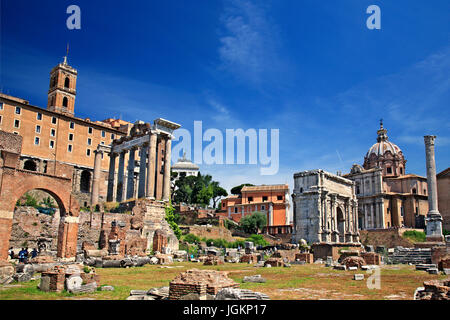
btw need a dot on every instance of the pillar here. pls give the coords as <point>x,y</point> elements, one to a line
<point>130,180</point>
<point>111,176</point>
<point>96,179</point>
<point>67,237</point>
<point>151,171</point>
<point>120,184</point>
<point>6,222</point>
<point>434,218</point>
<point>142,169</point>
<point>166,178</point>
<point>366,220</point>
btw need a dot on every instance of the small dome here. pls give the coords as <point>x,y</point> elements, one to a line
<point>184,164</point>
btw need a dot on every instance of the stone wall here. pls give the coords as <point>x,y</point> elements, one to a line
<point>209,232</point>
<point>390,238</point>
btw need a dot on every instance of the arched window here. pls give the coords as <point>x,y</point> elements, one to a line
<point>53,82</point>
<point>85,181</point>
<point>30,165</point>
<point>67,83</point>
<point>414,190</point>
<point>65,102</point>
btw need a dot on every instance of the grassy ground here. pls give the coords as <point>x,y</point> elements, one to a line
<point>312,282</point>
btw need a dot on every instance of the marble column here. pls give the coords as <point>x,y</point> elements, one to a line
<point>166,177</point>
<point>111,176</point>
<point>120,178</point>
<point>142,169</point>
<point>372,216</point>
<point>434,218</point>
<point>96,179</point>
<point>151,171</point>
<point>366,218</point>
<point>131,165</point>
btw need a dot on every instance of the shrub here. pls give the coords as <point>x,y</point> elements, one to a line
<point>171,219</point>
<point>416,236</point>
<point>191,238</point>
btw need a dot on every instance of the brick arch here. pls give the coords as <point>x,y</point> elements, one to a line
<point>16,185</point>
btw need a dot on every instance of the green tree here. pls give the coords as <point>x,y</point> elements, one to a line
<point>218,193</point>
<point>253,222</point>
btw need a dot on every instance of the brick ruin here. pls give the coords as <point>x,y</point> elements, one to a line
<point>200,282</point>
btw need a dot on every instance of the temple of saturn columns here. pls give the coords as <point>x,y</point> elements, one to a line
<point>152,143</point>
<point>325,208</point>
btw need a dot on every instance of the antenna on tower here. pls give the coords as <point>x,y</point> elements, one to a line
<point>67,54</point>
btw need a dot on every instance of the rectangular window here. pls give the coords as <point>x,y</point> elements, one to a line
<point>38,129</point>
<point>112,136</point>
<point>90,130</point>
<point>389,170</point>
<point>263,207</point>
<point>39,116</point>
<point>235,210</point>
<point>69,148</point>
<point>16,123</point>
<point>89,142</point>
<point>52,144</point>
<point>250,199</point>
<point>0,119</point>
<point>70,136</point>
<point>103,134</point>
<point>18,110</point>
<point>264,198</point>
<point>88,152</point>
<point>72,125</point>
<point>52,132</point>
<point>36,141</point>
<point>279,197</point>
<point>1,105</point>
<point>53,120</point>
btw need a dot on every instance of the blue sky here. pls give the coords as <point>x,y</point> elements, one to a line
<point>311,69</point>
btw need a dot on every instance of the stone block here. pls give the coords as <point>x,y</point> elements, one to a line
<point>256,278</point>
<point>73,282</point>
<point>352,268</point>
<point>107,288</point>
<point>340,267</point>
<point>433,271</point>
<point>358,277</point>
<point>22,277</point>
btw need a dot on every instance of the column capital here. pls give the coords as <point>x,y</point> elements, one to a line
<point>429,140</point>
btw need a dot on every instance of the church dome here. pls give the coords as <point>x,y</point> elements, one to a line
<point>380,148</point>
<point>386,155</point>
<point>383,145</point>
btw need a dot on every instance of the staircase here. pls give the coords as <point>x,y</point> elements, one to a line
<point>413,256</point>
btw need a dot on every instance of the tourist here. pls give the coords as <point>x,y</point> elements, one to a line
<point>34,253</point>
<point>11,253</point>
<point>22,255</point>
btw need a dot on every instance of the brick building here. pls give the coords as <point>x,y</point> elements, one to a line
<point>443,188</point>
<point>273,200</point>
<point>56,134</point>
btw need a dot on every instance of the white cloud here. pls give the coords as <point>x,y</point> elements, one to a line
<point>249,42</point>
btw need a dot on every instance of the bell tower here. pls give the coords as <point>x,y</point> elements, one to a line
<point>62,91</point>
